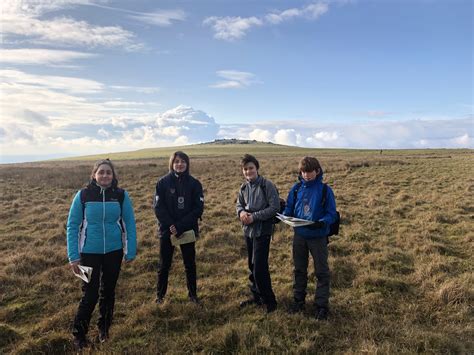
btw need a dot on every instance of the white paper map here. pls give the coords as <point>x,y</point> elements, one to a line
<point>85,273</point>
<point>293,221</point>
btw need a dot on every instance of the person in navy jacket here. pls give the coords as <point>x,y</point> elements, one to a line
<point>179,203</point>
<point>100,233</point>
<point>305,201</point>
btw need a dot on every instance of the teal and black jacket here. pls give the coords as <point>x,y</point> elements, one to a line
<point>101,221</point>
<point>307,205</point>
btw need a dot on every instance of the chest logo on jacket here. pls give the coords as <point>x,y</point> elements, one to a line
<point>172,190</point>
<point>181,202</point>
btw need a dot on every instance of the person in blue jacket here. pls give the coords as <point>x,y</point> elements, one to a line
<point>100,233</point>
<point>179,203</point>
<point>305,201</point>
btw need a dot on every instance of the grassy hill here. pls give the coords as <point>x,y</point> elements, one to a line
<point>401,266</point>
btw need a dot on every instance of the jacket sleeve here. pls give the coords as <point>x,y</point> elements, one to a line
<point>329,216</point>
<point>129,219</point>
<point>240,204</point>
<point>189,220</point>
<point>273,203</point>
<point>161,210</point>
<point>74,221</point>
<point>290,202</point>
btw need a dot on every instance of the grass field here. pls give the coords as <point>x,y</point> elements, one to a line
<point>402,265</point>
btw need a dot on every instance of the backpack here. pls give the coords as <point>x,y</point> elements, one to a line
<point>333,227</point>
<point>262,185</point>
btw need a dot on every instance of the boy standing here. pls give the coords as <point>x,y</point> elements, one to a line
<point>306,201</point>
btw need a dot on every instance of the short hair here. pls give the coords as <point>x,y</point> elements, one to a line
<point>106,162</point>
<point>308,164</point>
<point>247,158</point>
<point>179,154</point>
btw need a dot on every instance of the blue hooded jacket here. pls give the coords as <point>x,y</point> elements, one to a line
<point>100,226</point>
<point>308,206</point>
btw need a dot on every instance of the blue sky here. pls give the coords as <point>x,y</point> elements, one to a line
<point>95,76</point>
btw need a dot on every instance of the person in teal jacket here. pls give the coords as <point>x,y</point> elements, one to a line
<point>100,233</point>
<point>305,201</point>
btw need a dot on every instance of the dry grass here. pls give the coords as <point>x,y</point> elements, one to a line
<point>401,267</point>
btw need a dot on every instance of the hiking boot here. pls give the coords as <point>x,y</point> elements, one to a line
<point>194,299</point>
<point>249,302</point>
<point>103,335</point>
<point>322,313</point>
<point>271,307</point>
<point>296,307</point>
<point>80,343</point>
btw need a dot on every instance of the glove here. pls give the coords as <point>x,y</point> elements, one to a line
<point>316,225</point>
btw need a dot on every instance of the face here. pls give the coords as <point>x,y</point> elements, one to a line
<point>104,175</point>
<point>308,176</point>
<point>250,171</point>
<point>179,165</point>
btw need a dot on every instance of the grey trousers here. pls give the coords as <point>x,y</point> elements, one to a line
<point>318,248</point>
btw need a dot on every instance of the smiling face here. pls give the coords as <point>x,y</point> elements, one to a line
<point>104,175</point>
<point>250,171</point>
<point>179,165</point>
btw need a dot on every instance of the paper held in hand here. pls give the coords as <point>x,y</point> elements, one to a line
<point>85,273</point>
<point>293,221</point>
<point>185,238</point>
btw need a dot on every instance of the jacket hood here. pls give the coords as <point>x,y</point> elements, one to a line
<point>93,184</point>
<point>318,179</point>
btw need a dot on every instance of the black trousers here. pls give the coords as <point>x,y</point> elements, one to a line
<point>318,247</point>
<point>105,273</point>
<point>188,252</point>
<point>258,250</point>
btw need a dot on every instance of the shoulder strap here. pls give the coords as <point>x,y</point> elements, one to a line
<point>324,194</point>
<point>295,196</point>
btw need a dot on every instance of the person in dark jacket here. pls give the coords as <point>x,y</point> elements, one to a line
<point>100,233</point>
<point>179,203</point>
<point>304,201</point>
<point>257,203</point>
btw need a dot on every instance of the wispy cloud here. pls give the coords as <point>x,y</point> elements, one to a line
<point>160,17</point>
<point>23,20</point>
<point>232,28</point>
<point>140,89</point>
<point>235,79</point>
<point>36,56</point>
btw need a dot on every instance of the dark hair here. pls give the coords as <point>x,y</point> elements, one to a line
<point>106,162</point>
<point>309,164</point>
<point>247,158</point>
<point>179,154</point>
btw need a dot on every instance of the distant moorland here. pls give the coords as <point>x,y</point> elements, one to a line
<point>402,277</point>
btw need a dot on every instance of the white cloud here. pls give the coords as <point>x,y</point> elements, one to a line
<point>235,79</point>
<point>23,20</point>
<point>261,135</point>
<point>34,56</point>
<point>232,28</point>
<point>160,17</point>
<point>286,137</point>
<point>140,89</point>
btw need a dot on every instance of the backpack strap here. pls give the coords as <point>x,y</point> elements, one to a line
<point>324,195</point>
<point>295,196</point>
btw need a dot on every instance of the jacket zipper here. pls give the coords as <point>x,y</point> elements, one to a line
<point>103,216</point>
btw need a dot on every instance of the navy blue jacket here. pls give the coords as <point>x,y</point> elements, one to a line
<point>179,201</point>
<point>308,206</point>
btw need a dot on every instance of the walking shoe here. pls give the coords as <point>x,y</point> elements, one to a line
<point>322,313</point>
<point>103,335</point>
<point>194,299</point>
<point>160,300</point>
<point>271,307</point>
<point>250,302</point>
<point>296,307</point>
<point>80,343</point>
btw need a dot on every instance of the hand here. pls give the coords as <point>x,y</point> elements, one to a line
<point>316,225</point>
<point>246,218</point>
<point>127,261</point>
<point>173,229</point>
<point>75,267</point>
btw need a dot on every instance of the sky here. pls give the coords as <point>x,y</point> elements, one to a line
<point>84,77</point>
